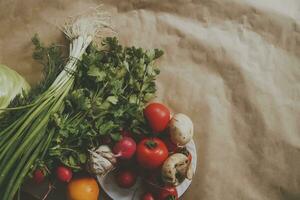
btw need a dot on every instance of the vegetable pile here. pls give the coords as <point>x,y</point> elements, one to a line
<point>90,115</point>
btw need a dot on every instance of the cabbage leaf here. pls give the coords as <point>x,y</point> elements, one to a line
<point>11,85</point>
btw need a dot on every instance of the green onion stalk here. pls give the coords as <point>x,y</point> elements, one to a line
<point>28,138</point>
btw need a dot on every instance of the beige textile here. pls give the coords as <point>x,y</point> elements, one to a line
<point>233,66</point>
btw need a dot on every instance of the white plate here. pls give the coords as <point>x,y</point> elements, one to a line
<point>109,185</point>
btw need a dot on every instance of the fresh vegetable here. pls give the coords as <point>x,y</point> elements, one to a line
<point>38,176</point>
<point>97,92</point>
<point>126,178</point>
<point>167,193</point>
<point>151,153</point>
<point>148,196</point>
<point>83,189</point>
<point>181,129</point>
<point>64,174</point>
<point>125,148</point>
<point>11,85</point>
<point>29,132</point>
<point>158,116</point>
<point>101,161</point>
<point>176,168</point>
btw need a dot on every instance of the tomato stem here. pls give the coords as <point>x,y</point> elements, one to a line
<point>171,197</point>
<point>151,144</point>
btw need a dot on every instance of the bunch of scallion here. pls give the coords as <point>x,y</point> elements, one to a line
<point>27,138</point>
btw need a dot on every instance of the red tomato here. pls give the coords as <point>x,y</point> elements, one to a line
<point>151,153</point>
<point>148,196</point>
<point>126,178</point>
<point>158,116</point>
<point>167,193</point>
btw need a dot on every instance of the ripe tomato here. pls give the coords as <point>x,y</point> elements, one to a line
<point>83,189</point>
<point>158,116</point>
<point>151,153</point>
<point>126,178</point>
<point>168,193</point>
<point>148,196</point>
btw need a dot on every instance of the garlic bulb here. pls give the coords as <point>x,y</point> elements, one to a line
<point>101,161</point>
<point>181,129</point>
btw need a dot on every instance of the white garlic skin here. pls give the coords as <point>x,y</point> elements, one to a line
<point>101,161</point>
<point>181,129</point>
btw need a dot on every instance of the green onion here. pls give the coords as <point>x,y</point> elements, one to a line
<point>26,139</point>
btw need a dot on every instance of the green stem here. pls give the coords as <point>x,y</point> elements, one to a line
<point>20,150</point>
<point>19,107</point>
<point>25,171</point>
<point>55,106</point>
<point>51,134</point>
<point>28,121</point>
<point>24,122</point>
<point>68,149</point>
<point>40,123</point>
<point>143,81</point>
<point>21,164</point>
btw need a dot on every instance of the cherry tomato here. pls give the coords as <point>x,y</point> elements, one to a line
<point>148,196</point>
<point>126,178</point>
<point>158,116</point>
<point>168,193</point>
<point>151,153</point>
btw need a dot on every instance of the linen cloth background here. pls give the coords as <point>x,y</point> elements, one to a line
<point>233,66</point>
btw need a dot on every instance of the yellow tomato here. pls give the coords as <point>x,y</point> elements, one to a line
<point>83,189</point>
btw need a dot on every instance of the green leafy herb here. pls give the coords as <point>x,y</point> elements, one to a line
<point>112,86</point>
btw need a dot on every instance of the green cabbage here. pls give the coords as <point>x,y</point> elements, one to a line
<point>11,84</point>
